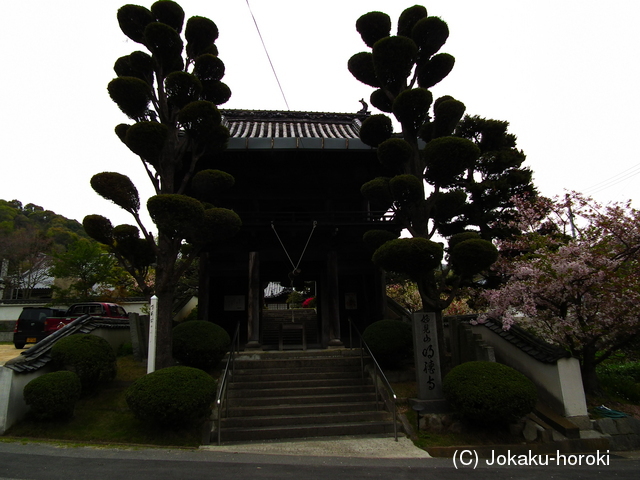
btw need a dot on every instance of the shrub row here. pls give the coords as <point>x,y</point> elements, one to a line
<point>489,392</point>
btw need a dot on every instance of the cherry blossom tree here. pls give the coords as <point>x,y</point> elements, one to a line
<point>572,277</point>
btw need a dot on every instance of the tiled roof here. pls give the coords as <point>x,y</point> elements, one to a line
<point>528,343</point>
<point>278,124</point>
<point>275,289</point>
<point>525,341</point>
<point>39,355</point>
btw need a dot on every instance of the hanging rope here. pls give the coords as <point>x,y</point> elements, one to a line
<point>295,271</point>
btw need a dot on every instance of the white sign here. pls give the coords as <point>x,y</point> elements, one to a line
<point>153,334</point>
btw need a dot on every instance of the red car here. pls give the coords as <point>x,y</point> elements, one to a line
<point>30,325</point>
<point>35,323</point>
<point>95,309</point>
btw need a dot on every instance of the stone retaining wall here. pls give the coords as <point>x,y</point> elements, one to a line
<point>623,433</point>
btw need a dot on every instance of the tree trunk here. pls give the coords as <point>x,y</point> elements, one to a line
<point>164,353</point>
<point>589,376</point>
<point>165,291</point>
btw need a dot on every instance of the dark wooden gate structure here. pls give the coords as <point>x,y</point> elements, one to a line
<point>298,178</point>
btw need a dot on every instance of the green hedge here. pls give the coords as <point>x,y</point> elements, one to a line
<point>489,392</point>
<point>89,356</point>
<point>53,395</point>
<point>172,397</point>
<point>621,380</point>
<point>200,344</point>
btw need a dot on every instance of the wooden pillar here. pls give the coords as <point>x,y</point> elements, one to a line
<point>253,302</point>
<point>333,299</point>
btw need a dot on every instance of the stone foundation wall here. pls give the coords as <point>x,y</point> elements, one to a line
<point>623,433</point>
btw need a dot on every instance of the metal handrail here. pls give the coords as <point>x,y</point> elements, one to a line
<point>378,371</point>
<point>227,377</point>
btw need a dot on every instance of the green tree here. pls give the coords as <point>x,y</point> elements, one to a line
<point>29,235</point>
<point>86,265</point>
<point>24,259</point>
<point>573,277</point>
<point>444,176</point>
<point>171,96</point>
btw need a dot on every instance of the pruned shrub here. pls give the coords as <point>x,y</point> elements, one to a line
<point>390,341</point>
<point>89,356</point>
<point>172,397</point>
<point>489,392</point>
<point>53,395</point>
<point>200,344</point>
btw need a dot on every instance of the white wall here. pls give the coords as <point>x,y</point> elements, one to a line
<point>12,405</point>
<point>559,384</point>
<point>12,311</point>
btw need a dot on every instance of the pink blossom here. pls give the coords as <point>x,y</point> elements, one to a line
<point>574,274</point>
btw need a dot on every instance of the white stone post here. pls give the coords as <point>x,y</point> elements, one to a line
<point>153,333</point>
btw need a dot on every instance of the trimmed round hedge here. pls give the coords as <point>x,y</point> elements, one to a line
<point>89,356</point>
<point>200,344</point>
<point>53,395</point>
<point>486,392</point>
<point>172,397</point>
<point>390,341</point>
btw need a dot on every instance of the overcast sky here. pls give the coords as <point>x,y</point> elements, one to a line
<point>563,72</point>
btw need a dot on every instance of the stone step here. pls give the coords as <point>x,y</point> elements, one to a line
<point>241,376</point>
<point>283,421</point>
<point>255,401</point>
<point>297,363</point>
<point>300,391</point>
<point>302,431</point>
<point>274,355</point>
<point>251,386</point>
<point>304,408</point>
<point>278,395</point>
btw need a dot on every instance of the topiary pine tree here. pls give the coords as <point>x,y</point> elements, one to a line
<point>171,95</point>
<point>471,166</point>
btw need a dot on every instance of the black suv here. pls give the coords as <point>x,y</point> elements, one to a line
<point>30,325</point>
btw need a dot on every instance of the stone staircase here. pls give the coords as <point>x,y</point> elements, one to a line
<point>279,395</point>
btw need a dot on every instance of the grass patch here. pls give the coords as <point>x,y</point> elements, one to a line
<point>404,390</point>
<point>106,418</point>
<point>471,435</point>
<point>426,440</point>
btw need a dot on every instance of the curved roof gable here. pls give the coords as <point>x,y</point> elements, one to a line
<point>262,123</point>
<point>286,129</point>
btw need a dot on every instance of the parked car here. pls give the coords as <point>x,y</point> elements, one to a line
<point>38,325</point>
<point>31,322</point>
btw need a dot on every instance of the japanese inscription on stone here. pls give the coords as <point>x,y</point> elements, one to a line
<point>425,342</point>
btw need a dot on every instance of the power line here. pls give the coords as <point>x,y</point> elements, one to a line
<point>614,180</point>
<point>268,57</point>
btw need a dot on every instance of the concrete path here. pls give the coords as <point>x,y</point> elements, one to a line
<point>7,352</point>
<point>348,446</point>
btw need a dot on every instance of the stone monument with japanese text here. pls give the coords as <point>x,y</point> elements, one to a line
<point>427,360</point>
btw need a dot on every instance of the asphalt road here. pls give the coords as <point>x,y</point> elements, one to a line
<point>50,462</point>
